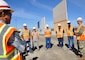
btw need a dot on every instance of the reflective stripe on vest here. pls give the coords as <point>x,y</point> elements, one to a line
<point>25,34</point>
<point>79,28</point>
<point>48,33</point>
<point>16,57</point>
<point>60,33</point>
<point>35,33</point>
<point>70,31</point>
<point>5,33</point>
<point>82,36</point>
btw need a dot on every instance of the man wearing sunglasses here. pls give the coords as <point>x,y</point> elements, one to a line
<point>9,37</point>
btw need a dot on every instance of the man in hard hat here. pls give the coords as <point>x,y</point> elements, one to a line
<point>47,34</point>
<point>70,35</point>
<point>79,36</point>
<point>9,37</point>
<point>60,35</point>
<point>25,35</point>
<point>35,38</point>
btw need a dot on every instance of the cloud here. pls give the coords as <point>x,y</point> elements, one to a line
<point>40,5</point>
<point>22,13</point>
<point>79,3</point>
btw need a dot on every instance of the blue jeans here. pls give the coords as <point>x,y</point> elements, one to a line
<point>28,42</point>
<point>48,42</point>
<point>60,42</point>
<point>70,41</point>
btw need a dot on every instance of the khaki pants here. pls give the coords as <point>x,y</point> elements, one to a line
<point>35,43</point>
<point>81,46</point>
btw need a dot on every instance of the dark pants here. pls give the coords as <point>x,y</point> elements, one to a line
<point>78,46</point>
<point>48,42</point>
<point>30,49</point>
<point>60,42</point>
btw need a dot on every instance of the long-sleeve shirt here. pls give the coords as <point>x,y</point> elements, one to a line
<point>15,40</point>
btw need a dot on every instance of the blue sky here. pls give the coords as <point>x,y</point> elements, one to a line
<point>32,11</point>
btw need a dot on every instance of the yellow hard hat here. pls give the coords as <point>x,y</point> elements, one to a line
<point>4,6</point>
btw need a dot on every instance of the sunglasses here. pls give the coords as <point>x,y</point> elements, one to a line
<point>7,12</point>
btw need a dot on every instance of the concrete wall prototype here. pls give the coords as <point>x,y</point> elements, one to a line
<point>60,15</point>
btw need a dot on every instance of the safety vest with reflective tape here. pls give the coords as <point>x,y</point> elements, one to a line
<point>60,33</point>
<point>16,57</point>
<point>25,34</point>
<point>82,36</point>
<point>35,34</point>
<point>70,31</point>
<point>5,34</point>
<point>47,33</point>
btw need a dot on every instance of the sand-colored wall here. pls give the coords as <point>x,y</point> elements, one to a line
<point>63,25</point>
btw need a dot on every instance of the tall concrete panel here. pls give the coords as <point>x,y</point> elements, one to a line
<point>43,23</point>
<point>60,15</point>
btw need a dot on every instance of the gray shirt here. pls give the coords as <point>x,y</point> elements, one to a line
<point>15,40</point>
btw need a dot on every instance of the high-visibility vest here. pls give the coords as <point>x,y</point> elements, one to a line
<point>16,57</point>
<point>60,33</point>
<point>35,34</point>
<point>25,34</point>
<point>70,31</point>
<point>82,36</point>
<point>47,33</point>
<point>5,34</point>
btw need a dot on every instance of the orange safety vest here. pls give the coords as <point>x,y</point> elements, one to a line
<point>60,33</point>
<point>5,34</point>
<point>25,34</point>
<point>47,33</point>
<point>70,31</point>
<point>82,36</point>
<point>17,57</point>
<point>37,35</point>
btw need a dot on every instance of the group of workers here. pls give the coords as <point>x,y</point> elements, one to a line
<point>71,31</point>
<point>14,44</point>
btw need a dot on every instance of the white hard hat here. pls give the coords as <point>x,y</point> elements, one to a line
<point>34,27</point>
<point>46,25</point>
<point>79,19</point>
<point>59,24</point>
<point>4,6</point>
<point>24,24</point>
<point>68,21</point>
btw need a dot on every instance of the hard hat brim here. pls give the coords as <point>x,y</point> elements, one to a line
<point>7,9</point>
<point>79,20</point>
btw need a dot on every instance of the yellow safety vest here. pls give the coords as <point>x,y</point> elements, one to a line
<point>5,50</point>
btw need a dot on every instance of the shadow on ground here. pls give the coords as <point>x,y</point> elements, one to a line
<point>40,46</point>
<point>35,58</point>
<point>34,48</point>
<point>73,49</point>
